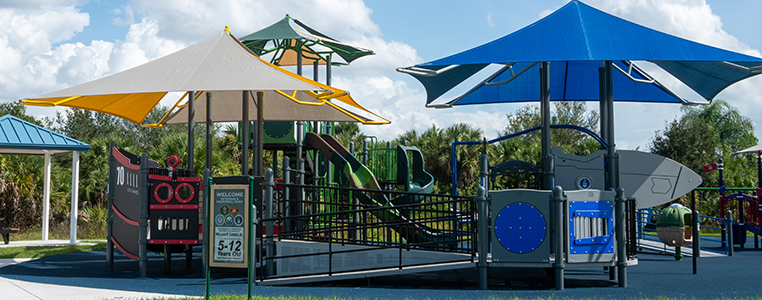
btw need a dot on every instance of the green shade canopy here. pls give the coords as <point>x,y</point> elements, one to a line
<point>286,41</point>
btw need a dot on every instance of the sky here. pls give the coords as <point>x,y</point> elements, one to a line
<point>47,45</point>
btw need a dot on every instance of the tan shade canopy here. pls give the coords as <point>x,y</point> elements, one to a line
<point>218,63</point>
<point>227,107</point>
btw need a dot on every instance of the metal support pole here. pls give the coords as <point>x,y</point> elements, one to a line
<point>741,220</point>
<point>695,234</point>
<point>260,133</point>
<point>327,69</point>
<point>209,133</point>
<point>299,61</point>
<point>191,125</point>
<point>484,173</point>
<point>454,168</point>
<point>74,198</point>
<point>300,193</point>
<point>483,238</point>
<point>206,220</point>
<point>621,251</point>
<point>144,201</point>
<point>365,152</point>
<point>603,103</point>
<point>315,70</point>
<point>729,231</point>
<point>558,236</point>
<point>352,148</point>
<point>547,178</point>
<point>275,162</point>
<point>110,215</point>
<point>245,135</point>
<point>287,192</point>
<point>612,174</point>
<point>207,175</point>
<point>46,196</point>
<point>299,138</point>
<point>270,207</point>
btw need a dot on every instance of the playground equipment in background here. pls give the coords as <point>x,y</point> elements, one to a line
<point>358,176</point>
<point>746,215</point>
<point>518,166</point>
<point>649,178</point>
<point>151,208</point>
<point>673,227</point>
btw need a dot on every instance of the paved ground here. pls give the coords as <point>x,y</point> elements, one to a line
<point>85,275</point>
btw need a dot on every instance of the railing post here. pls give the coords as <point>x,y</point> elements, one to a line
<point>270,207</point>
<point>205,205</point>
<point>287,193</point>
<point>484,173</point>
<point>365,152</point>
<point>300,194</point>
<point>619,217</point>
<point>483,236</point>
<point>729,231</point>
<point>558,237</point>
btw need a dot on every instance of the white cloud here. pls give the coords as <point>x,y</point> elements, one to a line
<point>490,22</point>
<point>30,62</point>
<point>38,60</point>
<point>693,20</point>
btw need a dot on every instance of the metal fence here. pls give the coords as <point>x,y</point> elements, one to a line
<point>646,230</point>
<point>373,219</point>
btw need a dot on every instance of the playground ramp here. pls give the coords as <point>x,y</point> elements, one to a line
<point>341,233</point>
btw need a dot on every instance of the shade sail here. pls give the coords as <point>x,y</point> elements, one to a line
<point>580,33</point>
<point>218,63</point>
<point>753,149</point>
<point>285,40</point>
<point>228,108</point>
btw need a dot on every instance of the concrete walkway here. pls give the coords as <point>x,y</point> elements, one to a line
<point>41,243</point>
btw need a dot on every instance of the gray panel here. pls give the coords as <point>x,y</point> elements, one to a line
<point>538,199</point>
<point>652,179</point>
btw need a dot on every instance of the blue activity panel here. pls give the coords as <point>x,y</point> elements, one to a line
<point>520,228</point>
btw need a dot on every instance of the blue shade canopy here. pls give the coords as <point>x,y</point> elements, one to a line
<point>21,137</point>
<point>585,37</point>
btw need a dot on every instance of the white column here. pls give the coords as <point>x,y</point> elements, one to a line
<point>74,211</point>
<point>46,197</point>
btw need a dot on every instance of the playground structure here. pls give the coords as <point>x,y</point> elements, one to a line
<point>741,210</point>
<point>330,232</point>
<point>150,208</point>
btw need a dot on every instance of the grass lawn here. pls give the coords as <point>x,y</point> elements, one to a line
<point>44,251</point>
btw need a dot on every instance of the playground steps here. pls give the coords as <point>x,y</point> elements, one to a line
<point>368,274</point>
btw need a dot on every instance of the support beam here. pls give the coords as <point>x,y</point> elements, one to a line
<point>260,132</point>
<point>46,197</point>
<point>245,135</point>
<point>603,104</point>
<point>191,113</point>
<point>209,130</point>
<point>548,177</point>
<point>74,210</point>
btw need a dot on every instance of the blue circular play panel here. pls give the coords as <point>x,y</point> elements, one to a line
<point>520,228</point>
